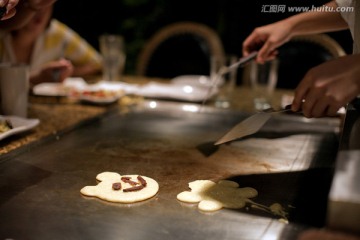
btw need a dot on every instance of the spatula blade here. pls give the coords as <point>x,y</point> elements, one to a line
<point>247,127</point>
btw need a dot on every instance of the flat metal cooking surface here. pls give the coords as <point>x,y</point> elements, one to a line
<point>289,161</point>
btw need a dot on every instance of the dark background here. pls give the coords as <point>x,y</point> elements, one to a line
<point>137,20</point>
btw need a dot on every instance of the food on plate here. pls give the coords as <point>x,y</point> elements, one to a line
<point>5,125</point>
<point>113,187</point>
<point>97,94</point>
<point>213,196</point>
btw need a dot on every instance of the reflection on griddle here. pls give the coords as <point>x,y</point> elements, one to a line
<point>303,193</point>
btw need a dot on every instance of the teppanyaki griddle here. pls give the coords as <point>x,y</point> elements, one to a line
<point>289,161</point>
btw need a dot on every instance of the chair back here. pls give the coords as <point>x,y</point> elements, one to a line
<point>303,53</point>
<point>183,48</point>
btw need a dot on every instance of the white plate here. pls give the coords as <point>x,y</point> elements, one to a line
<point>115,91</point>
<point>19,125</point>
<point>195,80</point>
<point>77,88</point>
<point>176,91</point>
<point>57,89</point>
<point>50,89</point>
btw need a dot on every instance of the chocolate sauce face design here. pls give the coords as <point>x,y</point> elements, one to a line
<point>113,187</point>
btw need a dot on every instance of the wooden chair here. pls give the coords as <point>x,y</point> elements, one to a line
<point>299,55</point>
<point>323,40</point>
<point>182,48</point>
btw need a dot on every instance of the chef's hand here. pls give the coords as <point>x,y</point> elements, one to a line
<point>266,39</point>
<point>328,87</point>
<point>10,8</point>
<point>55,71</point>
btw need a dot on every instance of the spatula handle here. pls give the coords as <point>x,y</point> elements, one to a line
<point>287,109</point>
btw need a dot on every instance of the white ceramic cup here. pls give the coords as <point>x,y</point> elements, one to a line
<point>113,53</point>
<point>14,89</point>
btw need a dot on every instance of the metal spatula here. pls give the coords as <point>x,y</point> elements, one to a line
<point>250,125</point>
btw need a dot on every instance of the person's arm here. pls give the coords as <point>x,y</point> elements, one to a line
<point>328,87</point>
<point>269,37</point>
<point>316,22</point>
<point>86,60</point>
<point>87,69</point>
<point>47,73</point>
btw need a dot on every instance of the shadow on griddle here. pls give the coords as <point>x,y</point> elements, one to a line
<point>17,177</point>
<point>303,194</point>
<point>207,148</point>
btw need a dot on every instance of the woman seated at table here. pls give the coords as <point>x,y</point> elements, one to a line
<point>51,49</point>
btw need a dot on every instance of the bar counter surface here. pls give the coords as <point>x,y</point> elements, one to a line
<point>42,171</point>
<point>57,114</point>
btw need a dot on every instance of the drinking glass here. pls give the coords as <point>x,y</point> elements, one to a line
<point>226,89</point>
<point>14,89</point>
<point>263,79</point>
<point>113,52</point>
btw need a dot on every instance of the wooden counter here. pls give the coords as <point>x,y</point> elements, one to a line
<point>53,118</point>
